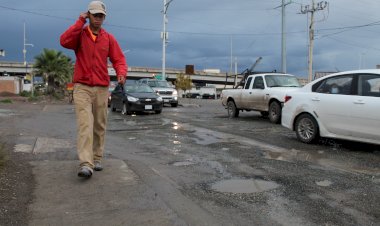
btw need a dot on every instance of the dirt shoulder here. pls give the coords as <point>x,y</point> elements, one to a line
<point>16,179</point>
<point>16,187</point>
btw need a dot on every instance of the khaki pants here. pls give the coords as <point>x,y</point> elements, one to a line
<point>91,113</point>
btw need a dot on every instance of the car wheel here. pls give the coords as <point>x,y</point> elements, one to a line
<point>275,112</point>
<point>158,111</point>
<point>174,105</point>
<point>232,111</point>
<point>306,128</point>
<point>264,114</point>
<point>113,107</point>
<point>125,110</point>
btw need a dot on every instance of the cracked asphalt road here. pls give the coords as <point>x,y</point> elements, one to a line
<point>207,169</point>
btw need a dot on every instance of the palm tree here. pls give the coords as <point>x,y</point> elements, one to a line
<point>55,67</point>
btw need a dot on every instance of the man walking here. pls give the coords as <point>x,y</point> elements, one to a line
<point>93,46</point>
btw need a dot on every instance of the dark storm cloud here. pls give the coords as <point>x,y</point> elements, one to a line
<point>200,32</point>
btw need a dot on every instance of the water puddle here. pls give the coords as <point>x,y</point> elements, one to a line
<point>6,113</point>
<point>324,183</point>
<point>294,155</point>
<point>24,148</point>
<point>185,163</point>
<point>245,186</point>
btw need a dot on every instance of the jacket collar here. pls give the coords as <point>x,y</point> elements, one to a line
<point>101,32</point>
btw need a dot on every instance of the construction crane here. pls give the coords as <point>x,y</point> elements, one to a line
<point>247,72</point>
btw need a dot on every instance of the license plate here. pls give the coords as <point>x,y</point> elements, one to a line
<point>165,100</point>
<point>148,107</point>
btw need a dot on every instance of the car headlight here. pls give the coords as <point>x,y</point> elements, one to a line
<point>159,98</point>
<point>175,93</point>
<point>133,99</point>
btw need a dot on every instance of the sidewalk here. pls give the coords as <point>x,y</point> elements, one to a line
<point>111,197</point>
<point>45,136</point>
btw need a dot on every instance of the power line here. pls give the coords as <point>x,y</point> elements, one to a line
<point>376,23</point>
<point>355,45</point>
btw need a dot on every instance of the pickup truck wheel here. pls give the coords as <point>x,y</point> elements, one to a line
<point>275,112</point>
<point>233,112</point>
<point>306,128</point>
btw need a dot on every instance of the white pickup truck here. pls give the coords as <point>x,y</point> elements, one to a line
<point>261,92</point>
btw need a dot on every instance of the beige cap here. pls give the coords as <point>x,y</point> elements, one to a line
<point>97,7</point>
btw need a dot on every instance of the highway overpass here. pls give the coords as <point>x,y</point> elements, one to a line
<point>200,77</point>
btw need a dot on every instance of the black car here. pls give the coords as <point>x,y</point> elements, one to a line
<point>135,98</point>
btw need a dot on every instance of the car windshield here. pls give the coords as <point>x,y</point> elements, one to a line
<point>163,84</point>
<point>281,81</point>
<point>138,89</point>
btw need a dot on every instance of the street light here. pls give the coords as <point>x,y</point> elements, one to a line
<point>25,63</point>
<point>164,36</point>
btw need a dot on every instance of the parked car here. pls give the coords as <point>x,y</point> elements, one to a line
<point>135,98</point>
<point>168,93</point>
<point>343,105</point>
<point>264,92</point>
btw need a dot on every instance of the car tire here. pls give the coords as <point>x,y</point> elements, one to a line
<point>174,105</point>
<point>125,111</point>
<point>112,107</point>
<point>232,111</point>
<point>274,112</point>
<point>158,111</point>
<point>306,128</point>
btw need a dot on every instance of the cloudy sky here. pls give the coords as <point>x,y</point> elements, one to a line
<point>201,32</point>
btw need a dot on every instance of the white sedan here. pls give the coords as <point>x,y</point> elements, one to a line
<point>343,105</point>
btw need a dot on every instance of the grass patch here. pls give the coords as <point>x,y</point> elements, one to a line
<point>6,101</point>
<point>3,156</point>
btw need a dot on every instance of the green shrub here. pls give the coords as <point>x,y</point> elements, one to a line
<point>6,101</point>
<point>25,93</point>
<point>58,95</point>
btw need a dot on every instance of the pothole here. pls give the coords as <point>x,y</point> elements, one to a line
<point>243,186</point>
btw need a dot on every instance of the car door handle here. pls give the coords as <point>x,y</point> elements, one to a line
<point>359,102</point>
<point>315,99</point>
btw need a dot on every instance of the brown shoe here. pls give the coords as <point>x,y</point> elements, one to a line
<point>98,166</point>
<point>85,172</point>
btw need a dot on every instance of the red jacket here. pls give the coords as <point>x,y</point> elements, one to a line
<point>91,63</point>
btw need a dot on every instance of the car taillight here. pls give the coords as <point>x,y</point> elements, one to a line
<point>287,98</point>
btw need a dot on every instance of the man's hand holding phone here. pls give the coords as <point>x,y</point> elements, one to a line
<point>84,15</point>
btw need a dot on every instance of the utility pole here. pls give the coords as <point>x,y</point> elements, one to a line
<point>230,55</point>
<point>283,35</point>
<point>164,36</point>
<point>25,63</point>
<point>312,9</point>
